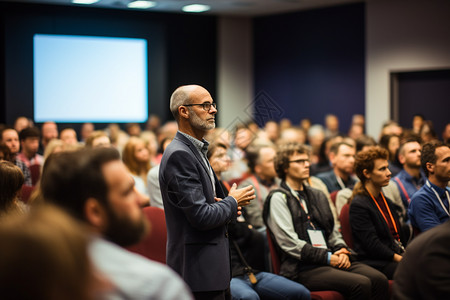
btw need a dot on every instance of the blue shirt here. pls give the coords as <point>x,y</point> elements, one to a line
<point>425,210</point>
<point>410,184</point>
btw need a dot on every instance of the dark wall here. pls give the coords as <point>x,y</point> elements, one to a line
<point>182,49</point>
<point>426,93</point>
<point>312,63</point>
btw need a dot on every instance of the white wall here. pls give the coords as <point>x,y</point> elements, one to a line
<point>401,35</point>
<point>235,71</point>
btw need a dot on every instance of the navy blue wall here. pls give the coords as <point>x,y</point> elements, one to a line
<point>312,63</point>
<point>182,49</point>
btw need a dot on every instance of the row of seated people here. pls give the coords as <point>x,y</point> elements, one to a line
<point>380,227</point>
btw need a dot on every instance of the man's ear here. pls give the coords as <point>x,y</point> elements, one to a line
<point>430,168</point>
<point>95,214</point>
<point>257,169</point>
<point>401,158</point>
<point>331,157</point>
<point>183,112</point>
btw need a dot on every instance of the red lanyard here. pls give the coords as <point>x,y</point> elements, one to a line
<point>258,191</point>
<point>390,214</point>
<point>400,184</point>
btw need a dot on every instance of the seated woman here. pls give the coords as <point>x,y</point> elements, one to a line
<point>11,181</point>
<point>136,156</point>
<point>377,232</point>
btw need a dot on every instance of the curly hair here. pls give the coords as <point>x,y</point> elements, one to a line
<point>365,160</point>
<point>285,151</point>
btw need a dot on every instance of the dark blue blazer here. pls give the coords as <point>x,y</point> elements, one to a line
<point>197,242</point>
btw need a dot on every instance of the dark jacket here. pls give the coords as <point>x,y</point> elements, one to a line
<point>372,238</point>
<point>197,243</point>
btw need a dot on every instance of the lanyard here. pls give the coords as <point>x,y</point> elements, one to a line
<point>340,182</point>
<point>258,191</point>
<point>439,198</point>
<point>304,209</point>
<point>390,214</point>
<point>400,184</point>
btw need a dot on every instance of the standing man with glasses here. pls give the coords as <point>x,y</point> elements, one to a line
<point>197,211</point>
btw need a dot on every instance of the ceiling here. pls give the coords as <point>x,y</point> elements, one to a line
<point>218,7</point>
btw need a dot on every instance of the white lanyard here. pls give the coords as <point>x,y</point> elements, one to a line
<point>439,198</point>
<point>340,182</point>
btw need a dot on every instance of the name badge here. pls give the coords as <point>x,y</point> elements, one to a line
<point>317,239</point>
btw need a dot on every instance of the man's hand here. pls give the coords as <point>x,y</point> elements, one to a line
<point>243,196</point>
<point>340,261</point>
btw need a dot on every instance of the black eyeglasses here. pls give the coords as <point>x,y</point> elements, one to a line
<point>300,161</point>
<point>206,106</point>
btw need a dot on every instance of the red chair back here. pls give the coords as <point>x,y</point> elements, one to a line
<point>35,171</point>
<point>273,255</point>
<point>346,229</point>
<point>153,246</point>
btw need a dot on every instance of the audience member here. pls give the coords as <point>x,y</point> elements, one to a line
<point>423,272</point>
<point>242,139</point>
<point>358,119</point>
<point>262,179</point>
<point>305,124</point>
<point>331,125</point>
<point>86,130</point>
<point>220,162</point>
<point>292,134</point>
<point>342,158</point>
<point>313,251</point>
<point>316,136</point>
<point>10,138</point>
<point>136,157</point>
<point>153,123</point>
<point>29,142</point>
<point>364,142</point>
<point>356,131</point>
<point>429,206</point>
<point>133,129</point>
<point>68,136</point>
<point>21,123</point>
<point>44,255</point>
<point>391,143</point>
<point>272,131</point>
<point>153,188</point>
<point>427,133</point>
<point>49,131</point>
<point>378,236</point>
<point>94,186</point>
<point>446,134</point>
<point>98,138</point>
<point>195,205</point>
<point>11,181</point>
<point>391,128</point>
<point>323,164</point>
<point>411,178</point>
<point>417,122</point>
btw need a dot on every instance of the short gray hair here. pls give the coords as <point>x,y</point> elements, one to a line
<point>179,97</point>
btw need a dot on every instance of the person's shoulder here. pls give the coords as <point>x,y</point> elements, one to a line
<point>421,196</point>
<point>325,175</point>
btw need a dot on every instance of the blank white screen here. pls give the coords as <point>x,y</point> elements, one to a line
<point>90,79</point>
